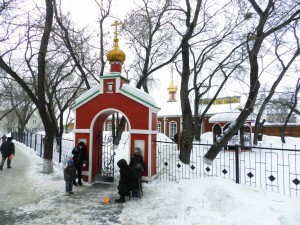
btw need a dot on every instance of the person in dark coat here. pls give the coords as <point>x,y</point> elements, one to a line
<point>69,175</point>
<point>4,138</point>
<point>80,160</point>
<point>7,149</point>
<point>137,162</point>
<point>128,180</point>
<point>177,139</point>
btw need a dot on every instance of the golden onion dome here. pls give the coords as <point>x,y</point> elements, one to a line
<point>172,87</point>
<point>116,54</point>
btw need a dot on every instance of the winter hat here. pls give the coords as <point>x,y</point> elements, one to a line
<point>137,151</point>
<point>81,143</point>
<point>122,163</point>
<point>70,161</point>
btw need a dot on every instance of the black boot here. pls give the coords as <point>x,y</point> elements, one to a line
<point>74,183</point>
<point>79,183</point>
<point>121,199</point>
<point>1,167</point>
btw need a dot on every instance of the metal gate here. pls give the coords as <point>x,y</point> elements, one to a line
<point>106,159</point>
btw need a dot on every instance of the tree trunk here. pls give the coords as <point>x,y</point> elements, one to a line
<point>295,102</point>
<point>186,139</point>
<point>120,129</point>
<point>49,138</point>
<point>48,151</point>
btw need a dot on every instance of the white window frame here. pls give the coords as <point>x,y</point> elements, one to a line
<point>172,129</point>
<point>158,126</point>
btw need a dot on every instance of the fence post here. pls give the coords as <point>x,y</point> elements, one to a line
<point>41,149</point>
<point>31,140</point>
<point>60,149</point>
<point>237,165</point>
<point>35,137</point>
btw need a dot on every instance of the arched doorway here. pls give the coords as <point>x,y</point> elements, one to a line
<point>103,149</point>
<point>241,138</point>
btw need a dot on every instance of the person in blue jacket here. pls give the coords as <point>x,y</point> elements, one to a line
<point>69,174</point>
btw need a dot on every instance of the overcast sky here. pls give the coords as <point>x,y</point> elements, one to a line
<point>85,13</point>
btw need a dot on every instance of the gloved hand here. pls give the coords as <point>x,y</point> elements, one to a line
<point>84,165</point>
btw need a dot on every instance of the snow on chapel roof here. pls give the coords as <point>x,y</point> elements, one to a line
<point>126,89</point>
<point>86,96</point>
<point>170,109</point>
<point>138,95</point>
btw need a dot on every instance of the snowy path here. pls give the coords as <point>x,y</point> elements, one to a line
<point>27,196</point>
<point>16,184</point>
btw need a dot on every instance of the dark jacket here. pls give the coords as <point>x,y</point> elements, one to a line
<point>177,137</point>
<point>128,178</point>
<point>79,156</point>
<point>69,173</point>
<point>137,163</point>
<point>7,148</point>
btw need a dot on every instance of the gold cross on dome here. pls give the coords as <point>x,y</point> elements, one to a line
<point>116,24</point>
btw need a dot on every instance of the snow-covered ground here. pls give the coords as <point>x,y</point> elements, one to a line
<point>29,197</point>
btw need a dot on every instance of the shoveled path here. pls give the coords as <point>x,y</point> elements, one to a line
<point>20,195</point>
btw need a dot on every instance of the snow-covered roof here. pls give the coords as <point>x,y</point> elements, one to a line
<point>174,108</point>
<point>228,116</point>
<point>220,108</point>
<point>170,109</point>
<point>139,95</point>
<point>126,89</point>
<point>87,95</point>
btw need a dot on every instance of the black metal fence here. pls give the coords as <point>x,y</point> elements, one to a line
<point>35,141</point>
<point>273,169</point>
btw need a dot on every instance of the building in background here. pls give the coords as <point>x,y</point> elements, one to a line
<point>10,123</point>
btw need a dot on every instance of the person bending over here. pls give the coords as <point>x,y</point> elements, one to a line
<point>128,180</point>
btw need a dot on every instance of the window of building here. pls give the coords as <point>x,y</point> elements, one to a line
<point>172,128</point>
<point>109,87</point>
<point>158,127</point>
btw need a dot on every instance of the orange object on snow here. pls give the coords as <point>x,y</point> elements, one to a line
<point>105,200</point>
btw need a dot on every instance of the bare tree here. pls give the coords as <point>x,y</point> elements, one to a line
<point>63,88</point>
<point>10,98</point>
<point>150,36</point>
<point>104,13</point>
<point>38,97</point>
<point>215,51</point>
<point>272,17</point>
<point>22,104</point>
<point>76,42</point>
<point>294,101</point>
<point>285,67</point>
<point>191,16</point>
